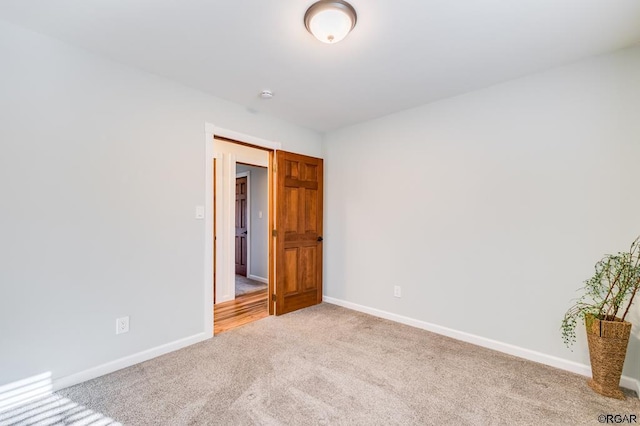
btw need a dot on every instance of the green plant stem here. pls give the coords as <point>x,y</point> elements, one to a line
<point>611,287</point>
<point>633,295</point>
<point>634,253</point>
<point>615,283</point>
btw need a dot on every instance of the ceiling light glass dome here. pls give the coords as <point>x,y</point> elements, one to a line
<point>330,20</point>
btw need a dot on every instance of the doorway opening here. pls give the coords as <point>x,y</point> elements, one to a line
<point>293,231</point>
<point>243,210</point>
<point>251,229</point>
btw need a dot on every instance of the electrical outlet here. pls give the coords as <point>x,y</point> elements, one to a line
<point>397,292</point>
<point>122,325</point>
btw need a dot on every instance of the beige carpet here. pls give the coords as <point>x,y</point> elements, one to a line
<point>246,285</point>
<point>330,365</point>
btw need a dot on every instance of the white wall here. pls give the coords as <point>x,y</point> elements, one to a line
<point>101,167</point>
<point>490,209</point>
<point>259,194</point>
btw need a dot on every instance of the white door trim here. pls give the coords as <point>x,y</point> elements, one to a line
<point>222,250</point>
<point>225,232</point>
<point>208,231</point>
<point>241,137</point>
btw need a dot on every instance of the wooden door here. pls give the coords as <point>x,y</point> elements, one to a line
<point>298,232</point>
<point>241,226</point>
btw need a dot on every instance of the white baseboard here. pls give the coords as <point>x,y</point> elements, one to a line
<point>553,361</point>
<point>118,364</point>
<point>257,278</point>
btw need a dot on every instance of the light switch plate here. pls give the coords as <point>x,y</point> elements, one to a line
<point>199,212</point>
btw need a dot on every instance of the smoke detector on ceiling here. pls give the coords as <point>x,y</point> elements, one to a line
<point>266,94</point>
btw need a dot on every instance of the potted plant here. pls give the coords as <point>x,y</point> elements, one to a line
<point>603,307</point>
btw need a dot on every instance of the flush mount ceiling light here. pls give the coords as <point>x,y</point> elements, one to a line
<point>330,20</point>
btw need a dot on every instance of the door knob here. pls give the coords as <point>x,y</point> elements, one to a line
<point>319,239</point>
<point>244,233</point>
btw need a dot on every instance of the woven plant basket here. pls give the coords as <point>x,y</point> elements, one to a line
<point>608,342</point>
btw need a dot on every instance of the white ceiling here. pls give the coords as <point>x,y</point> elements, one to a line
<point>402,53</point>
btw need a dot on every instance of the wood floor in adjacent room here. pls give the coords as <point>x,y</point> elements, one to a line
<point>243,310</point>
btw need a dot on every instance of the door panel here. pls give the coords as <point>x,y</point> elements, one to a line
<point>311,204</point>
<point>291,201</point>
<point>290,271</point>
<point>241,226</point>
<point>298,246</point>
<point>308,267</point>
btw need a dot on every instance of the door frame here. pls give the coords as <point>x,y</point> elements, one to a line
<point>210,131</point>
<point>247,174</point>
<point>232,154</point>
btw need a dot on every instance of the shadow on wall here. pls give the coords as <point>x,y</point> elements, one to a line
<point>32,402</point>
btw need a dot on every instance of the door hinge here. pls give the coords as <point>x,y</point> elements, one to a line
<point>273,297</point>
<point>274,233</point>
